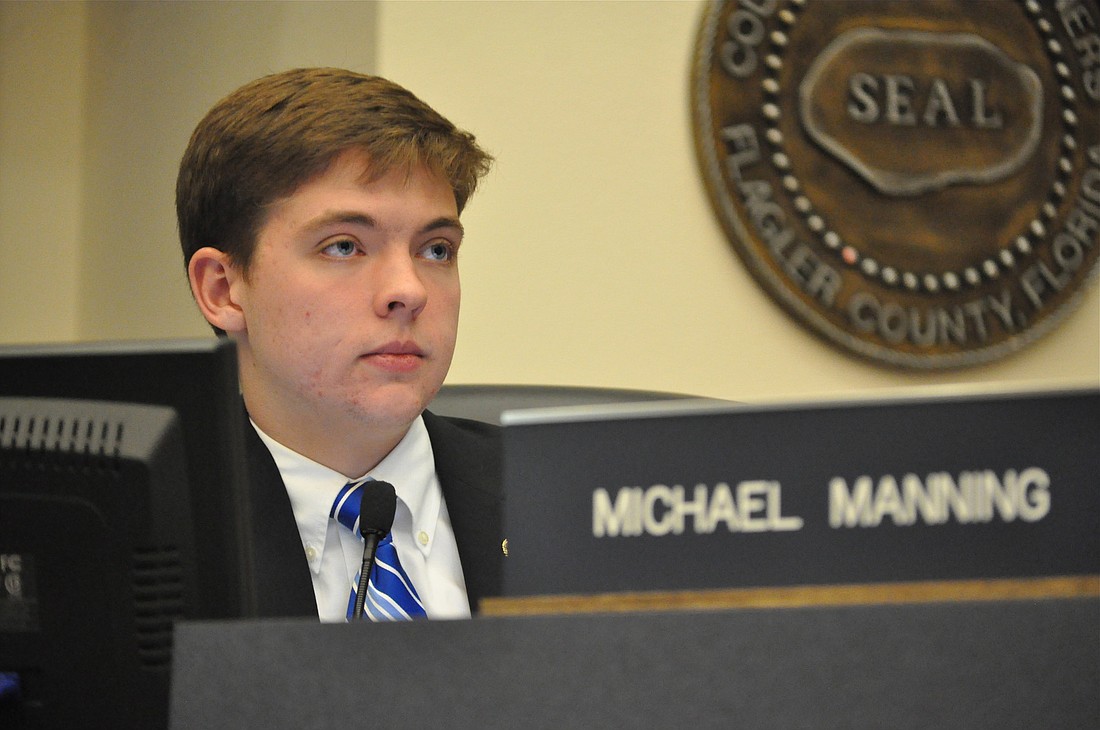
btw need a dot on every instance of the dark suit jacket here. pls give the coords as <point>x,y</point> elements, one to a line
<point>468,463</point>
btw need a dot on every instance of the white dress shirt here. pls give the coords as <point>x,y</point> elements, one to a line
<point>421,530</point>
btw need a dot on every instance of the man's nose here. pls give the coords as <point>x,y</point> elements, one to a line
<point>399,288</point>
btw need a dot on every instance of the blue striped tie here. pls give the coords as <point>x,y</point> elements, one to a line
<point>390,594</point>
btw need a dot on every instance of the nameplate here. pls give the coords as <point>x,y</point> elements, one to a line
<point>697,496</point>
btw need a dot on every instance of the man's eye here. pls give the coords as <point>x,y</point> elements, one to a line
<point>439,251</point>
<point>340,249</point>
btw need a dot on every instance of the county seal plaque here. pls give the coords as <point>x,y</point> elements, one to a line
<point>916,181</point>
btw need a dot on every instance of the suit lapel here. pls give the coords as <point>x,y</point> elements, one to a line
<point>468,463</point>
<point>282,582</point>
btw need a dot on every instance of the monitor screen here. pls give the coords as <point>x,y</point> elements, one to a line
<point>122,509</point>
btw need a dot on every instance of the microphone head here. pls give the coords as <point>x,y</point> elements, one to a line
<point>376,508</point>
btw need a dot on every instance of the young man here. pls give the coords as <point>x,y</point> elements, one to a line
<point>319,216</point>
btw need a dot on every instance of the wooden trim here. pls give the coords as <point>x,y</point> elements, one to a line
<point>1074,586</point>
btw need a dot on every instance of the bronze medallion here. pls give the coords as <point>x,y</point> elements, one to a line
<point>916,180</point>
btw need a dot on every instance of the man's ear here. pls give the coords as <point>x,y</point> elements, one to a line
<point>213,277</point>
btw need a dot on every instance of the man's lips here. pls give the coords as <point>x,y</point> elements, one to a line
<point>396,356</point>
<point>398,348</point>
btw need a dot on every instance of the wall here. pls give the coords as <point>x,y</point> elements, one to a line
<point>42,70</point>
<point>592,255</point>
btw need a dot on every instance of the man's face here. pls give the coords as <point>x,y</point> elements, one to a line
<point>350,304</point>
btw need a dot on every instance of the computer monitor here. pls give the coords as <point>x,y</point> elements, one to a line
<point>122,510</point>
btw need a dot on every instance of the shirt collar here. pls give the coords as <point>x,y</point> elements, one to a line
<point>410,467</point>
<point>312,487</point>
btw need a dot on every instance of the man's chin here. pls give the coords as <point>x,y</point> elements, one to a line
<point>393,407</point>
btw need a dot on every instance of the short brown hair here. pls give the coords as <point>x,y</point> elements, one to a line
<point>274,134</point>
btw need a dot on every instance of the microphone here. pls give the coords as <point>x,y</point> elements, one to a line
<point>376,510</point>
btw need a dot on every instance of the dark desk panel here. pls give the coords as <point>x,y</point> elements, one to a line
<point>997,665</point>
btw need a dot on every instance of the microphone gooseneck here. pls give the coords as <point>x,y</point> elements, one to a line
<point>376,511</point>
